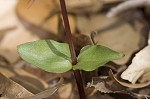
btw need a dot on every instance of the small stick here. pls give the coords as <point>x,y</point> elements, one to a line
<point>77,74</point>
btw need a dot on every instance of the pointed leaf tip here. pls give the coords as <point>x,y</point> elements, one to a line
<point>48,55</point>
<point>93,56</point>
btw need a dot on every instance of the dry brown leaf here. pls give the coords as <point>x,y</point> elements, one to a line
<point>10,89</point>
<point>139,66</point>
<point>84,6</point>
<point>46,76</point>
<point>45,8</point>
<point>12,39</point>
<point>105,84</point>
<point>65,91</point>
<point>47,93</point>
<point>16,34</point>
<point>7,73</point>
<point>110,1</point>
<point>141,85</point>
<point>30,82</point>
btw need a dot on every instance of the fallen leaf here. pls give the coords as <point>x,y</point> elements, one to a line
<point>46,76</point>
<point>10,89</point>
<point>47,93</point>
<point>30,82</point>
<point>48,17</point>
<point>139,66</point>
<point>65,91</point>
<point>141,85</point>
<point>106,85</point>
<point>13,29</point>
<point>7,73</point>
<point>84,6</point>
<point>9,50</point>
<point>111,1</point>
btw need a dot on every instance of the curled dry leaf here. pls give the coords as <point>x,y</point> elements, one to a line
<point>129,4</point>
<point>141,85</point>
<point>139,67</point>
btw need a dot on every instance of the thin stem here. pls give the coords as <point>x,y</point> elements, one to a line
<point>93,34</point>
<point>72,50</point>
<point>68,31</point>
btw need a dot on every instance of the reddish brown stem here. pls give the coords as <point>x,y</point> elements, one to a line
<point>72,50</point>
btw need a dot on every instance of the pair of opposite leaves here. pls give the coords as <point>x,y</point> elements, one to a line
<point>55,57</point>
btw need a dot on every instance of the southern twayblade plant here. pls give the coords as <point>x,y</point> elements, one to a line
<point>55,57</point>
<point>58,57</point>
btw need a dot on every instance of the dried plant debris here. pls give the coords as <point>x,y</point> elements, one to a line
<point>48,17</point>
<point>105,84</point>
<point>110,84</point>
<point>140,85</point>
<point>21,22</point>
<point>139,67</point>
<point>10,29</point>
<point>30,82</point>
<point>65,91</point>
<point>9,50</point>
<point>142,93</point>
<point>47,93</point>
<point>129,4</point>
<point>12,90</point>
<point>85,6</point>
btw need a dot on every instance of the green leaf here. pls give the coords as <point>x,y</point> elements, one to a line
<point>93,56</point>
<point>48,55</point>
